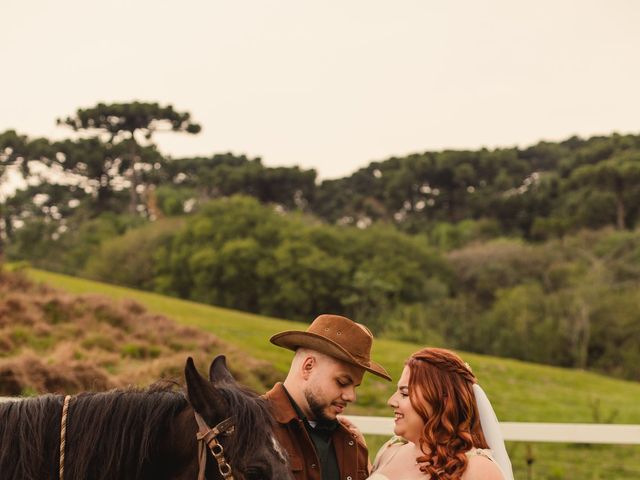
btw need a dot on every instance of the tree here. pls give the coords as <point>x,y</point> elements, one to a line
<point>101,169</point>
<point>130,125</point>
<point>12,147</point>
<point>224,175</point>
<point>619,175</point>
<point>15,152</point>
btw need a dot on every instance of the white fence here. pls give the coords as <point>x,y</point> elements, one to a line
<point>531,432</point>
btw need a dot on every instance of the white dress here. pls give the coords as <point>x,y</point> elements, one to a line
<point>474,452</point>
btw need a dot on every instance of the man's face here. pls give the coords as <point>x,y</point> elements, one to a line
<point>330,387</point>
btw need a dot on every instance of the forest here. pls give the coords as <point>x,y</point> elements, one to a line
<point>529,253</point>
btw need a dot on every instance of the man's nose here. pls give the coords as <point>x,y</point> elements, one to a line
<point>349,394</point>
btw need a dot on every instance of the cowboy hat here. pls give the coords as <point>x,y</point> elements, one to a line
<point>338,337</point>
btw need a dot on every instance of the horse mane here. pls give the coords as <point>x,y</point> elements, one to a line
<point>26,441</point>
<point>251,416</point>
<point>109,434</point>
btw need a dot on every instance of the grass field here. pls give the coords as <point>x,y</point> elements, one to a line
<point>519,391</point>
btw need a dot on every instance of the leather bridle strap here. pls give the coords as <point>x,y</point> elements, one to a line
<point>63,434</point>
<point>208,438</point>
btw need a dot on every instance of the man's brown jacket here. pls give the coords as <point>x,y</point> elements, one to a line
<point>352,456</point>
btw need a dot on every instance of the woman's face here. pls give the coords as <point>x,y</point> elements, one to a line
<point>408,423</point>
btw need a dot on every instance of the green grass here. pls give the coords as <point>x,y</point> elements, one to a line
<point>520,392</point>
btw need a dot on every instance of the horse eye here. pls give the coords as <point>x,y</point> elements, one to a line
<point>255,473</point>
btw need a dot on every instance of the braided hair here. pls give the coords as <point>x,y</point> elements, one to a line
<point>441,392</point>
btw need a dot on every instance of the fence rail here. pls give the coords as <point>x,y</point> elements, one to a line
<point>531,432</point>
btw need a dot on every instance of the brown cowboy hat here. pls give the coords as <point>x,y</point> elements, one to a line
<point>337,337</point>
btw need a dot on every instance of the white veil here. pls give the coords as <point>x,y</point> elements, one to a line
<point>492,432</point>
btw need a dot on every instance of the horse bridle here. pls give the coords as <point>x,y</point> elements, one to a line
<point>208,438</point>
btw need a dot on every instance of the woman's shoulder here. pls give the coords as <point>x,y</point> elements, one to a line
<point>394,441</point>
<point>389,447</point>
<point>482,466</point>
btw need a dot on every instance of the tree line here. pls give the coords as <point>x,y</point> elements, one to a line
<point>540,192</point>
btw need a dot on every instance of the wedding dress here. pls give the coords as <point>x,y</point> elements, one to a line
<point>474,452</point>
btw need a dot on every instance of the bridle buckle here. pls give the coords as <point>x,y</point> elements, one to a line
<point>208,438</point>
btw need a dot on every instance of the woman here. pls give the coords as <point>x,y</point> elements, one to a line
<point>438,408</point>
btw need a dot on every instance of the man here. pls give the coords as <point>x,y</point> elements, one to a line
<point>331,358</point>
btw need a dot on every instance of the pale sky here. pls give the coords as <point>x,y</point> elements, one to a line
<point>330,85</point>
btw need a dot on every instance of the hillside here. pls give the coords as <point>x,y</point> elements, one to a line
<point>54,341</point>
<point>519,391</point>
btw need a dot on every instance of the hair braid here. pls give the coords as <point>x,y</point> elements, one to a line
<point>441,391</point>
<point>447,363</point>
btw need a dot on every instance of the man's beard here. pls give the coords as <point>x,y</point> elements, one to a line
<point>318,408</point>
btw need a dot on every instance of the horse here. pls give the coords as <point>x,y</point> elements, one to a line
<point>151,433</point>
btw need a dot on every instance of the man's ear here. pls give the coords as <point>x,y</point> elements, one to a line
<point>203,396</point>
<point>308,364</point>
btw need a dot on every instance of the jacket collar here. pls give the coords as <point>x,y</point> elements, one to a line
<point>282,409</point>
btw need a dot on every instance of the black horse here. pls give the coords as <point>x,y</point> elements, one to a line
<point>143,434</point>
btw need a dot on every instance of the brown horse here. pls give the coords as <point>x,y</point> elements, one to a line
<point>142,434</point>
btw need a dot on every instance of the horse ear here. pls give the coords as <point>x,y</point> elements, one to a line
<point>203,396</point>
<point>218,371</point>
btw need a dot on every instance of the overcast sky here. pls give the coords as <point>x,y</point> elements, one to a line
<point>330,85</point>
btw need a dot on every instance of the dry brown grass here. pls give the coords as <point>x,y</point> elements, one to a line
<point>51,341</point>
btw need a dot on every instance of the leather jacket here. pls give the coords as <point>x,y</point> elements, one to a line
<point>290,431</point>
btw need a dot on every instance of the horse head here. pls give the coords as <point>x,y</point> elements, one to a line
<point>235,426</point>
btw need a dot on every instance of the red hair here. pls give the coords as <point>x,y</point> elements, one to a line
<point>441,381</point>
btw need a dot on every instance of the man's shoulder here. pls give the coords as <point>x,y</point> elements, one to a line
<point>279,403</point>
<point>276,391</point>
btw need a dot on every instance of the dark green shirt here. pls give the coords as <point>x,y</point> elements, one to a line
<point>321,437</point>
